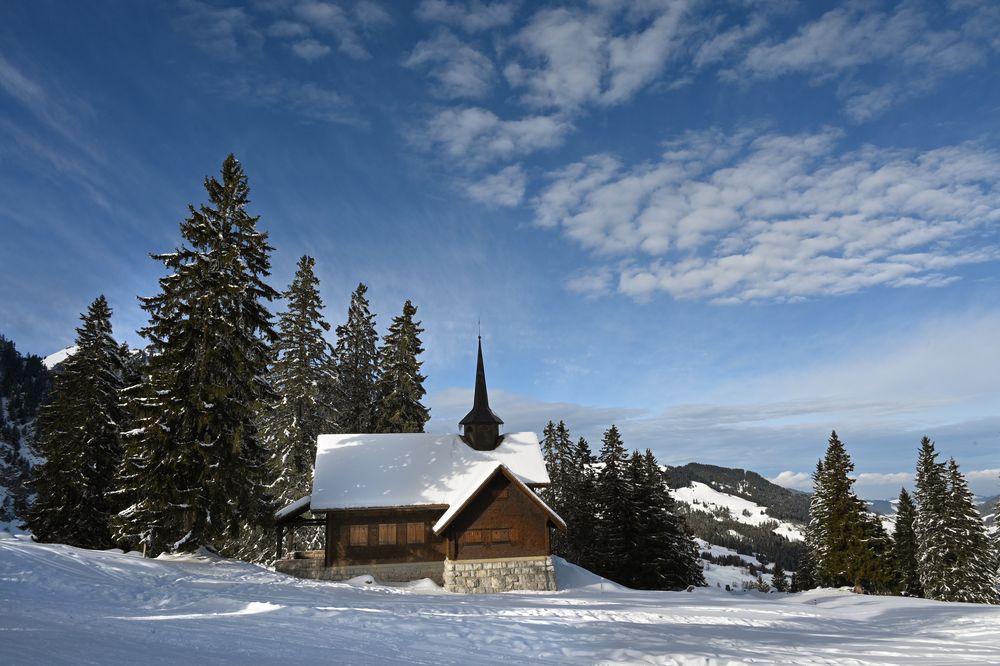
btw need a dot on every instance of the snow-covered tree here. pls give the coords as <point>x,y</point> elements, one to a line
<point>778,579</point>
<point>195,469</point>
<point>931,524</point>
<point>301,377</point>
<point>81,440</point>
<point>973,575</point>
<point>356,355</point>
<point>400,386</point>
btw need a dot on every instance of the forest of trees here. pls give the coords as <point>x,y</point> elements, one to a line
<point>198,439</point>
<point>940,549</point>
<point>622,522</point>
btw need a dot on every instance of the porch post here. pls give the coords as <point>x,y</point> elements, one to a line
<point>281,539</point>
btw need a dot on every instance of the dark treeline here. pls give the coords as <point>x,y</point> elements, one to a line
<point>622,522</point>
<point>940,549</point>
<point>24,383</point>
<point>196,440</point>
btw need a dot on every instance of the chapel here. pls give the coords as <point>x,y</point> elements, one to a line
<point>460,509</point>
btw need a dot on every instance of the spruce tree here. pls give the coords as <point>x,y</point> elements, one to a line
<point>778,579</point>
<point>579,506</point>
<point>805,577</point>
<point>195,470</point>
<point>847,545</point>
<point>400,387</point>
<point>904,548</point>
<point>81,440</point>
<point>665,556</point>
<point>615,524</point>
<point>300,377</point>
<point>973,575</point>
<point>357,367</point>
<point>931,525</point>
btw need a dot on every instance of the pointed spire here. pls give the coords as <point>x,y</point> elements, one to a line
<point>481,412</point>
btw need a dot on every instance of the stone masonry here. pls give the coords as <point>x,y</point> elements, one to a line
<point>500,575</point>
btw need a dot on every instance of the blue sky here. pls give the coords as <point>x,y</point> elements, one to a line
<point>728,227</point>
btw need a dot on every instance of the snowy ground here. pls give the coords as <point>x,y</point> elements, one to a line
<point>61,605</point>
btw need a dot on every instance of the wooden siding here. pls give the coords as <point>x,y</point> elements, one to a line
<point>404,522</point>
<point>501,521</point>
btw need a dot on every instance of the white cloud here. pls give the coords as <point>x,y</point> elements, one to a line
<point>371,14</point>
<point>307,100</point>
<point>457,69</point>
<point>310,49</point>
<point>752,216</point>
<point>479,136</point>
<point>575,56</point>
<point>504,188</point>
<point>473,16</point>
<point>908,38</point>
<point>795,480</point>
<point>331,19</point>
<point>225,32</point>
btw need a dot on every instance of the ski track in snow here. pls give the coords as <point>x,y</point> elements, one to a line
<point>63,605</point>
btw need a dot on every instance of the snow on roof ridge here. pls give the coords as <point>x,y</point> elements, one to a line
<point>354,471</point>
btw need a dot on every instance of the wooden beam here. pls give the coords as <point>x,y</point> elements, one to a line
<point>281,538</point>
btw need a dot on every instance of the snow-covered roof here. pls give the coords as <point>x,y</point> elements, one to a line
<point>294,507</point>
<point>413,469</point>
<point>483,477</point>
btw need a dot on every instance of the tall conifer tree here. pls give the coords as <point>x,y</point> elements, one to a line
<point>357,367</point>
<point>301,377</point>
<point>974,558</point>
<point>615,523</point>
<point>196,469</point>
<point>580,506</point>
<point>400,386</point>
<point>931,526</point>
<point>81,440</point>
<point>904,548</point>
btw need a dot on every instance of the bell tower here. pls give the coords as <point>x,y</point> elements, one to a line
<point>481,427</point>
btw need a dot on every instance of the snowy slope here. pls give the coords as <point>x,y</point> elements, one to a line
<point>52,360</point>
<point>63,605</point>
<point>701,497</point>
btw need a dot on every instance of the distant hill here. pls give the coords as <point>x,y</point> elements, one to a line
<point>742,511</point>
<point>782,503</point>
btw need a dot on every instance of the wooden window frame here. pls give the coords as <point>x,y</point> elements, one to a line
<point>357,536</point>
<point>387,531</point>
<point>416,533</point>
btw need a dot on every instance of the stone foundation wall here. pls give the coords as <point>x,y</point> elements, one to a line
<point>500,575</point>
<point>382,573</point>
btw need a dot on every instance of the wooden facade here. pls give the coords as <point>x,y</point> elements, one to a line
<point>384,536</point>
<point>502,520</point>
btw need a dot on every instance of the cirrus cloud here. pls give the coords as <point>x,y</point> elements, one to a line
<point>753,215</point>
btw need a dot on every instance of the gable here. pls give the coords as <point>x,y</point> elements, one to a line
<point>477,487</point>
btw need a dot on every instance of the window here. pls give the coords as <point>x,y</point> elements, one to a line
<point>488,536</point>
<point>415,533</point>
<point>387,534</point>
<point>359,535</point>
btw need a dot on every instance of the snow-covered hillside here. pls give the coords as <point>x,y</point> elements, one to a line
<point>63,605</point>
<point>701,497</point>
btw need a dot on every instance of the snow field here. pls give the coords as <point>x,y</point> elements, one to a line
<point>63,605</point>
